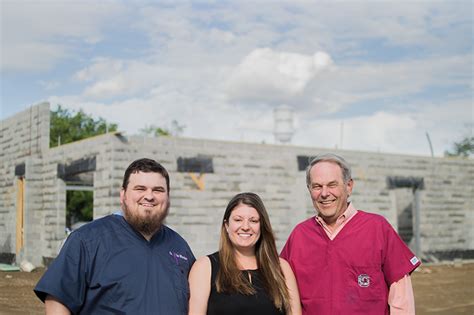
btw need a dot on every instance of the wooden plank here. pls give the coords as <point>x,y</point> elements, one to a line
<point>20,183</point>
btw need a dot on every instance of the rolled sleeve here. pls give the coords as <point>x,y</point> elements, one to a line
<point>401,298</point>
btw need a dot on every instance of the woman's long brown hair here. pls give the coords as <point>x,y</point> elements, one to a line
<point>229,277</point>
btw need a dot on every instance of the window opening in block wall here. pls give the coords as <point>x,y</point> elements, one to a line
<point>78,176</point>
<point>79,206</point>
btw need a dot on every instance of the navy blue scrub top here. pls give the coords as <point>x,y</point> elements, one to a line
<point>106,267</point>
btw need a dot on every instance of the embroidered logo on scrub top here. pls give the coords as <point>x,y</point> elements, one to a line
<point>177,256</point>
<point>363,280</point>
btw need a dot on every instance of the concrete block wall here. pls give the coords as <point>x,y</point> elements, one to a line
<point>269,170</point>
<point>449,222</point>
<point>53,210</point>
<point>22,137</point>
<point>238,167</point>
<point>446,200</point>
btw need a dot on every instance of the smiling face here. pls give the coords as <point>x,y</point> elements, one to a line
<point>243,227</point>
<point>145,202</point>
<point>328,191</point>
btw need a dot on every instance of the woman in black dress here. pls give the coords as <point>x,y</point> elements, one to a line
<point>246,276</point>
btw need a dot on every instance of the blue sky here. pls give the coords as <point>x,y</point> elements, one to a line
<point>358,75</point>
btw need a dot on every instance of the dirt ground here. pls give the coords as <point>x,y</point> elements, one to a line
<point>439,289</point>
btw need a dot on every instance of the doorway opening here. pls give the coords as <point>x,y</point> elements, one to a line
<point>408,199</point>
<point>404,203</point>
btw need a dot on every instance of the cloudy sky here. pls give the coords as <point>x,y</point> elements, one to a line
<point>359,75</point>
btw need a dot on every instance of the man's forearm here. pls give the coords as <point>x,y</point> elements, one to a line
<point>54,307</point>
<point>401,298</point>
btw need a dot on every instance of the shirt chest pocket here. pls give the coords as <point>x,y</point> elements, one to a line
<point>365,283</point>
<point>180,276</point>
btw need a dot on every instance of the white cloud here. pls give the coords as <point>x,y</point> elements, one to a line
<point>107,88</point>
<point>265,74</point>
<point>49,85</point>
<point>37,35</point>
<point>379,132</point>
<point>113,78</point>
<point>202,118</point>
<point>34,56</point>
<point>393,83</point>
<point>202,106</point>
<point>226,37</point>
<point>403,131</point>
<point>204,66</point>
<point>100,68</point>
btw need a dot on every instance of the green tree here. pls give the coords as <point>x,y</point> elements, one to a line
<point>79,206</point>
<point>464,148</point>
<point>68,126</point>
<point>154,131</point>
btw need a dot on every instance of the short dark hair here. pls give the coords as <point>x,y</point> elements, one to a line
<point>146,166</point>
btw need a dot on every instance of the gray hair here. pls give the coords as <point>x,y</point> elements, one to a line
<point>333,158</point>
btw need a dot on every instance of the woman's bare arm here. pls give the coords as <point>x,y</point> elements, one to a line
<point>199,286</point>
<point>295,304</point>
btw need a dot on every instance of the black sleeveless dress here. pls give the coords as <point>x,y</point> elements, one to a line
<point>239,304</point>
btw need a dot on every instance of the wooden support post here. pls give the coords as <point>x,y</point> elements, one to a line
<point>20,183</point>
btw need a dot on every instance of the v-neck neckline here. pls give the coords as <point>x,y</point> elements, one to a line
<point>342,231</point>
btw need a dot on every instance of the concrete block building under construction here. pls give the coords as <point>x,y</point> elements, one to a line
<point>428,200</point>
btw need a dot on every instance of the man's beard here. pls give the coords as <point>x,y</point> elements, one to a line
<point>147,225</point>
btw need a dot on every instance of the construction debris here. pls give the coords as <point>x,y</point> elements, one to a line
<point>26,266</point>
<point>7,267</point>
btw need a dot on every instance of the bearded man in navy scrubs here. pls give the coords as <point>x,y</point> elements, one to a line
<point>124,263</point>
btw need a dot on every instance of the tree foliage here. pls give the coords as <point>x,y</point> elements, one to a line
<point>79,206</point>
<point>68,126</point>
<point>463,148</point>
<point>154,131</point>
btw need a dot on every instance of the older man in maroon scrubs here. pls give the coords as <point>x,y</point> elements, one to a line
<point>347,261</point>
